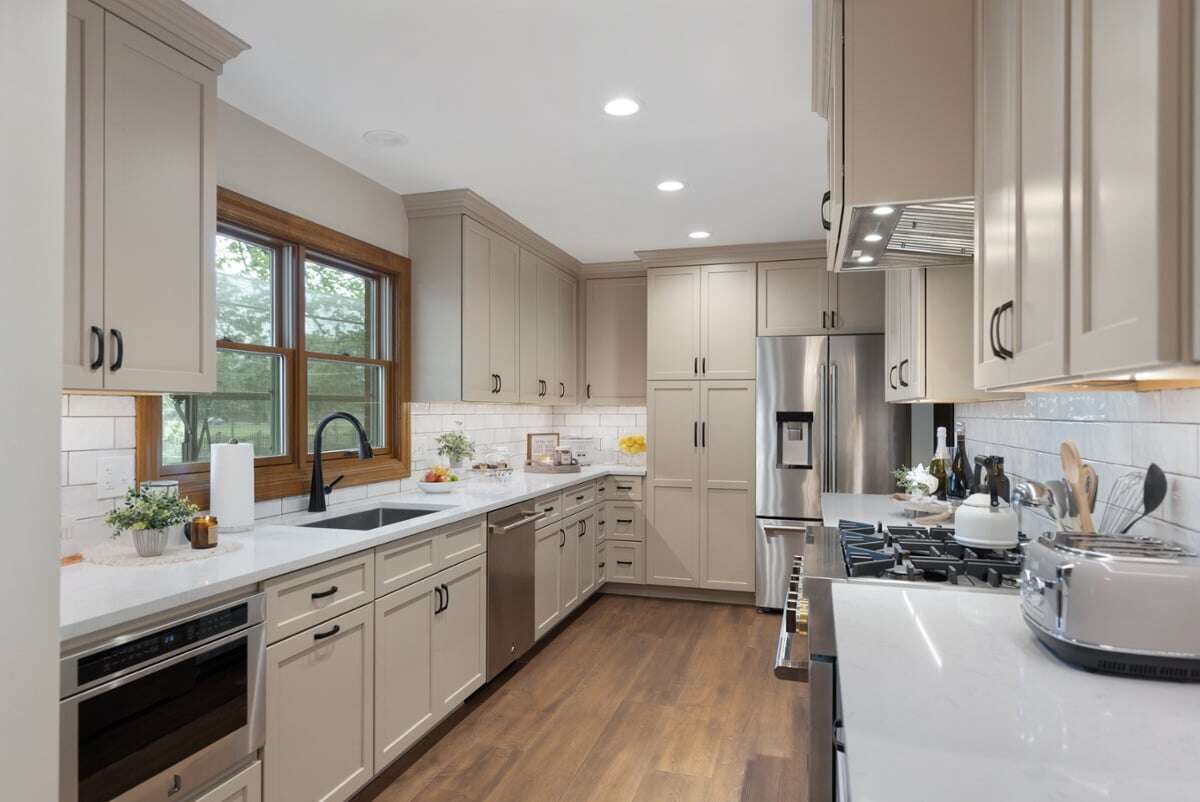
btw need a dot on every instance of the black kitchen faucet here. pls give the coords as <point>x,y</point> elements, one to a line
<point>316,493</point>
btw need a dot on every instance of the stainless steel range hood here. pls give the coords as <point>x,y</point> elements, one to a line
<point>903,235</point>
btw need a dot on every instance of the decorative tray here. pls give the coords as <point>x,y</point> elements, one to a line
<point>541,467</point>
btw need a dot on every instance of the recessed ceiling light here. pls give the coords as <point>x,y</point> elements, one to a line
<point>699,235</point>
<point>882,211</point>
<point>621,106</point>
<point>384,138</point>
<point>873,237</point>
<point>671,186</point>
<point>866,260</point>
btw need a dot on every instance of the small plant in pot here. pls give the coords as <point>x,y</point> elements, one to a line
<point>456,448</point>
<point>149,517</point>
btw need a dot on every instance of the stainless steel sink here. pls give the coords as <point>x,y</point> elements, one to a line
<point>365,520</point>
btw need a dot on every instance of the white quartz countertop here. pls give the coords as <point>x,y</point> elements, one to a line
<point>96,597</point>
<point>865,508</point>
<point>947,695</point>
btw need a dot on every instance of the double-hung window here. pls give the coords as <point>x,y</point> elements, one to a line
<point>308,322</point>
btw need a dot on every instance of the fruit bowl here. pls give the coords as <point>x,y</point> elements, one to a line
<point>439,479</point>
<point>437,487</point>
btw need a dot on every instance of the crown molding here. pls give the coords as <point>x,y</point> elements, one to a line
<point>612,269</point>
<point>465,201</point>
<point>182,27</point>
<point>723,254</point>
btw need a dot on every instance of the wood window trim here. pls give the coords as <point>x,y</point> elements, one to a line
<point>277,477</point>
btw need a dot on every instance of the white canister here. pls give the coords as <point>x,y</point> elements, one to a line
<point>231,485</point>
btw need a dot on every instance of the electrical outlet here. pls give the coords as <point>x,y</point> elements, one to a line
<point>114,475</point>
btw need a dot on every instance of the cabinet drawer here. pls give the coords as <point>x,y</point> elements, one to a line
<point>624,562</point>
<point>623,488</point>
<point>624,520</point>
<point>601,564</point>
<point>305,598</point>
<point>577,497</point>
<point>550,506</point>
<point>460,541</point>
<point>400,564</point>
<point>245,786</point>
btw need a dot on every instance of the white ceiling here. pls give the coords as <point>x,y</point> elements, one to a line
<point>505,97</point>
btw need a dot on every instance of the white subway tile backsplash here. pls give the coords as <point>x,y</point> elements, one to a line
<point>82,434</point>
<point>1172,445</point>
<point>125,437</point>
<point>104,406</point>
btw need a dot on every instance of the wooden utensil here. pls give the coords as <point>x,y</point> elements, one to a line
<point>1091,484</point>
<point>1073,471</point>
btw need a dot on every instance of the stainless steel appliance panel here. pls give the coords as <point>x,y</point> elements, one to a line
<point>778,540</point>
<point>510,585</point>
<point>790,427</point>
<point>868,437</point>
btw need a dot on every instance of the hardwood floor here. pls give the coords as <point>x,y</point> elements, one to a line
<point>634,700</point>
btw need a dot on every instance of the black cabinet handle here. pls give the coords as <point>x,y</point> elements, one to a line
<point>562,538</point>
<point>900,372</point>
<point>323,635</point>
<point>624,520</point>
<point>1005,353</point>
<point>703,365</point>
<point>826,198</point>
<point>499,382</point>
<point>98,333</point>
<point>589,392</point>
<point>992,333</point>
<point>601,564</point>
<point>437,605</point>
<point>582,528</point>
<point>325,594</point>
<point>695,434</point>
<point>696,366</point>
<point>120,358</point>
<point>580,498</point>
<point>892,377</point>
<point>625,488</point>
<point>562,390</point>
<point>824,319</point>
<point>833,318</point>
<point>446,596</point>
<point>624,562</point>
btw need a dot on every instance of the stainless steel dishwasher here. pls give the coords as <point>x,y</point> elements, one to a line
<point>509,584</point>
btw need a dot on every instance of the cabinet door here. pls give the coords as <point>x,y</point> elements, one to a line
<point>245,786</point>
<point>320,692</point>
<point>672,484</point>
<point>568,339</point>
<point>159,214</point>
<point>546,572</point>
<point>910,370</point>
<point>529,386</point>
<point>793,297</point>
<point>727,321</point>
<point>615,320</point>
<point>856,302</point>
<point>727,448</point>
<point>405,706</point>
<point>504,261</point>
<point>459,632</point>
<point>587,554</point>
<point>83,253</point>
<point>1127,99</point>
<point>568,565</point>
<point>892,329</point>
<point>478,381</point>
<point>673,323</point>
<point>549,310</point>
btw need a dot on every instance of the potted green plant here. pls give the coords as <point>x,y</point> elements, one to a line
<point>150,517</point>
<point>456,447</point>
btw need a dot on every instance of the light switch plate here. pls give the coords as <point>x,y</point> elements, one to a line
<point>114,475</point>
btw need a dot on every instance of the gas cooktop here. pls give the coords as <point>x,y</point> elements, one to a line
<point>925,554</point>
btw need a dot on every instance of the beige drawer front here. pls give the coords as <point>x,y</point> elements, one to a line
<point>305,598</point>
<point>398,565</point>
<point>245,786</point>
<point>578,497</point>
<point>623,488</point>
<point>461,541</point>
<point>550,506</point>
<point>624,520</point>
<point>624,562</point>
<point>601,563</point>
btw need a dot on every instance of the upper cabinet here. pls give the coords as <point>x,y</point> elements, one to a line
<point>798,297</point>
<point>615,340</point>
<point>140,200</point>
<point>700,322</point>
<point>495,308</point>
<point>1082,123</point>
<point>895,82</point>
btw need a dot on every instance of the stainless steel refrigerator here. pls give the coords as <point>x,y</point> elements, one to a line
<point>822,425</point>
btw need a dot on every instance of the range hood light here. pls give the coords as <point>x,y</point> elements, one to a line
<point>882,211</point>
<point>873,237</point>
<point>866,260</point>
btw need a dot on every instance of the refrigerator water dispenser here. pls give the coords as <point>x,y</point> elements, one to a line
<point>794,435</point>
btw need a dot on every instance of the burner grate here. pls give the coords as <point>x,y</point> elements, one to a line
<point>924,554</point>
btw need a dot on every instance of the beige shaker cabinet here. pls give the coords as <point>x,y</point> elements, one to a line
<point>728,297</point>
<point>320,711</point>
<point>490,284</point>
<point>856,302</point>
<point>727,485</point>
<point>585,534</point>
<point>673,482</point>
<point>140,211</point>
<point>615,340</point>
<point>547,576</point>
<point>800,297</point>
<point>245,786</point>
<point>673,323</point>
<point>405,707</point>
<point>567,389</point>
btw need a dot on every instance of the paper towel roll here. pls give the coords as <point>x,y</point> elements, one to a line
<point>231,486</point>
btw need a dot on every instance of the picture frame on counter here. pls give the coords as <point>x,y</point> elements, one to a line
<point>540,446</point>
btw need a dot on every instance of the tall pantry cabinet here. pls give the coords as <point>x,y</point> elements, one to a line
<point>701,325</point>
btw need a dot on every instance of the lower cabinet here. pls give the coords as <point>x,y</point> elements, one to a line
<point>601,564</point>
<point>429,654</point>
<point>568,565</point>
<point>625,562</point>
<point>586,536</point>
<point>547,563</point>
<point>245,786</point>
<point>320,691</point>
<point>565,567</point>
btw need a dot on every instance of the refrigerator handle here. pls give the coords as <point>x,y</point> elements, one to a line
<point>825,425</point>
<point>833,426</point>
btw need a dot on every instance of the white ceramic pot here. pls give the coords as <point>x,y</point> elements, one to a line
<point>149,542</point>
<point>977,523</point>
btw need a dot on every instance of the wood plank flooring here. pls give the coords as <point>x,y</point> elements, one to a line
<point>635,700</point>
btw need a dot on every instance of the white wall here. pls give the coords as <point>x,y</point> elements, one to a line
<point>265,164</point>
<point>32,83</point>
<point>1117,432</point>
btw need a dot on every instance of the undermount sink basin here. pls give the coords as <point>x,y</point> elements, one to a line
<point>365,520</point>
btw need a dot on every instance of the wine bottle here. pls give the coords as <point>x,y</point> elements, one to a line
<point>959,480</point>
<point>940,466</point>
